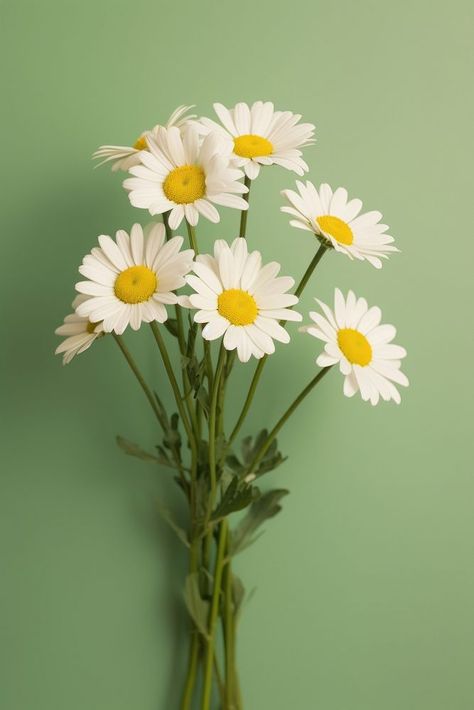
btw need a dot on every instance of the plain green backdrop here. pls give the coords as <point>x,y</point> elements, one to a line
<point>365,583</point>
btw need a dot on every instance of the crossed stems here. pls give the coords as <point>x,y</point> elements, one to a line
<point>192,414</point>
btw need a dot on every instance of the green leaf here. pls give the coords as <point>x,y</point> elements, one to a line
<point>172,437</point>
<point>201,501</point>
<point>134,450</point>
<point>248,542</point>
<point>160,406</point>
<point>171,326</point>
<point>238,495</point>
<point>250,447</point>
<point>247,450</point>
<point>265,507</point>
<point>184,362</point>
<point>238,595</point>
<point>198,608</point>
<point>270,462</point>
<point>233,464</point>
<point>167,516</point>
<point>203,456</point>
<point>202,396</point>
<point>163,454</point>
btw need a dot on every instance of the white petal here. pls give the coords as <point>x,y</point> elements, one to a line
<point>136,244</point>
<point>215,328</point>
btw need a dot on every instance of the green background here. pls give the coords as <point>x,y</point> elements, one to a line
<point>365,583</point>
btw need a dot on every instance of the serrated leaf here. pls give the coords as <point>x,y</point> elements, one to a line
<point>260,440</point>
<point>135,450</point>
<point>225,479</point>
<point>167,516</point>
<point>238,495</point>
<point>270,463</point>
<point>198,608</point>
<point>233,464</point>
<point>247,449</point>
<point>250,445</point>
<point>248,542</point>
<point>262,509</point>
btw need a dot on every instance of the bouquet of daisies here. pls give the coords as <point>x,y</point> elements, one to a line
<point>183,171</point>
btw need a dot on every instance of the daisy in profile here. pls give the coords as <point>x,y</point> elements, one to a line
<point>337,222</point>
<point>132,279</point>
<point>186,177</point>
<point>80,333</point>
<point>238,298</point>
<point>123,157</point>
<point>363,348</point>
<point>258,135</point>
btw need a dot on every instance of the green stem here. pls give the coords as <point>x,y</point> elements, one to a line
<point>229,635</point>
<point>182,342</point>
<point>307,274</point>
<point>179,318</point>
<point>267,443</point>
<point>220,683</point>
<point>174,385</point>
<point>192,238</point>
<point>194,641</point>
<point>212,427</point>
<point>218,570</point>
<point>134,367</point>
<point>208,362</point>
<point>169,231</point>
<point>244,213</point>
<point>194,553</point>
<point>192,671</point>
<point>153,403</point>
<point>248,400</point>
<point>261,363</point>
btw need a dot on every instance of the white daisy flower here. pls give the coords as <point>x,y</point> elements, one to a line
<point>80,333</point>
<point>355,339</point>
<point>240,299</point>
<point>132,278</point>
<point>259,135</point>
<point>336,222</point>
<point>184,176</point>
<point>123,157</point>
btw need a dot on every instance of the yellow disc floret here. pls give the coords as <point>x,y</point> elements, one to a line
<point>355,346</point>
<point>185,184</point>
<point>337,228</point>
<point>140,143</point>
<point>136,284</point>
<point>252,146</point>
<point>238,306</point>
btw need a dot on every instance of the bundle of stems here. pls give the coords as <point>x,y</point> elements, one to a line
<point>215,485</point>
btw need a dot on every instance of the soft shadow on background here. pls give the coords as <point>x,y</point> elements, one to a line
<point>365,582</point>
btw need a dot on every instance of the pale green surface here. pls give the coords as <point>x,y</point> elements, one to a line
<point>365,582</point>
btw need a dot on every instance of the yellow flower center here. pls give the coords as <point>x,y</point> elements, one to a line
<point>252,146</point>
<point>136,284</point>
<point>185,184</point>
<point>237,306</point>
<point>141,144</point>
<point>337,228</point>
<point>355,346</point>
